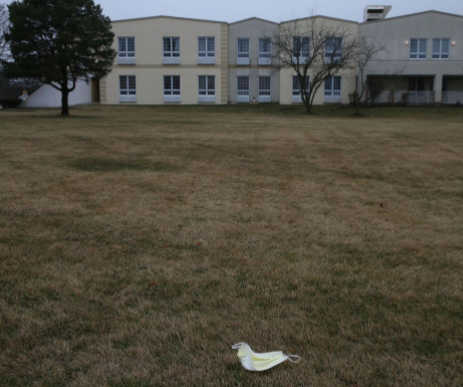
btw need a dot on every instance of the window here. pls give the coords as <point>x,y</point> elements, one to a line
<point>243,85</point>
<point>333,48</point>
<point>264,48</point>
<point>418,48</point>
<point>206,47</point>
<point>243,48</point>
<point>171,47</point>
<point>206,85</point>
<point>172,85</point>
<point>127,47</point>
<point>301,47</point>
<point>440,48</point>
<point>333,87</point>
<point>297,86</point>
<point>264,85</point>
<point>128,85</point>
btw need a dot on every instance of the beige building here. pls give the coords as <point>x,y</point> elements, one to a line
<point>164,60</point>
<point>169,60</point>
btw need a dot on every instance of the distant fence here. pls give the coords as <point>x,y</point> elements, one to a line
<point>452,97</point>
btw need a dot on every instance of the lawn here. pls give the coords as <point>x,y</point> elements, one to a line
<point>138,244</point>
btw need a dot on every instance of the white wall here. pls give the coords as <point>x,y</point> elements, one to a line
<point>48,97</point>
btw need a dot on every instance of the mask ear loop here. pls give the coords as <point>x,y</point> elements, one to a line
<point>238,346</point>
<point>293,358</point>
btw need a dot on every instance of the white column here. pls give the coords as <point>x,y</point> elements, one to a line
<point>438,87</point>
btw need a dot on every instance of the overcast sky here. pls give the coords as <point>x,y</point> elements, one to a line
<point>233,10</point>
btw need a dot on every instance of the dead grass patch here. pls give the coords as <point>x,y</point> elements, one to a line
<point>138,244</point>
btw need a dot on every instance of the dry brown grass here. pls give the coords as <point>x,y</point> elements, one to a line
<point>138,244</point>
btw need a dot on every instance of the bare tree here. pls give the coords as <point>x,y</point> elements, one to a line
<point>316,49</point>
<point>366,51</point>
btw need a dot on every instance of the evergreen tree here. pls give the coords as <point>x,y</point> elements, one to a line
<point>59,42</point>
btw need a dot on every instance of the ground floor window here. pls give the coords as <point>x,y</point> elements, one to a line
<point>206,85</point>
<point>128,85</point>
<point>264,85</point>
<point>172,85</point>
<point>333,87</point>
<point>297,86</point>
<point>243,85</point>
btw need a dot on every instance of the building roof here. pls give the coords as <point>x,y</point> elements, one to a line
<point>254,18</point>
<point>168,17</point>
<point>321,16</point>
<point>412,14</point>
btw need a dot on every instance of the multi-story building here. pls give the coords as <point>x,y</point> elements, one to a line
<point>168,60</point>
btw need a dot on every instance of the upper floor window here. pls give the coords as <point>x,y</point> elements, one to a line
<point>127,85</point>
<point>264,85</point>
<point>171,47</point>
<point>301,47</point>
<point>243,48</point>
<point>264,48</point>
<point>172,85</point>
<point>206,47</point>
<point>243,85</point>
<point>297,85</point>
<point>418,48</point>
<point>127,47</point>
<point>333,48</point>
<point>440,48</point>
<point>206,85</point>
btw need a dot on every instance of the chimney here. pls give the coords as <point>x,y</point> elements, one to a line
<point>376,12</point>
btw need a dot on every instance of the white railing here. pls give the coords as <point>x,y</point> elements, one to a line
<point>421,97</point>
<point>452,97</point>
<point>404,97</point>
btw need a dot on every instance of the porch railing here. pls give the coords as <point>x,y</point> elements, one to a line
<point>405,97</point>
<point>452,97</point>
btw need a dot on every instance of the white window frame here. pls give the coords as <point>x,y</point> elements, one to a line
<point>172,94</point>
<point>297,90</point>
<point>418,54</point>
<point>443,55</point>
<point>301,55</point>
<point>333,94</point>
<point>125,55</point>
<point>265,54</point>
<point>206,53</point>
<point>243,94</point>
<point>265,57</point>
<point>207,90</point>
<point>333,53</point>
<point>129,92</point>
<point>265,89</point>
<point>171,53</point>
<point>207,93</point>
<point>243,54</point>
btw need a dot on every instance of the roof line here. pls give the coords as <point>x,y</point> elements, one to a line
<point>168,17</point>
<point>254,18</point>
<point>322,16</point>
<point>413,14</point>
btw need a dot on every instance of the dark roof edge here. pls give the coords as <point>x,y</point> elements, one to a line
<point>254,18</point>
<point>322,16</point>
<point>412,14</point>
<point>168,17</point>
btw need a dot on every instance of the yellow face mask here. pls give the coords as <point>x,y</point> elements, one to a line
<point>261,361</point>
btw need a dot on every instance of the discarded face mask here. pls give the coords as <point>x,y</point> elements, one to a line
<point>261,361</point>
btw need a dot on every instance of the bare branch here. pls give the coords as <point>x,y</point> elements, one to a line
<point>316,49</point>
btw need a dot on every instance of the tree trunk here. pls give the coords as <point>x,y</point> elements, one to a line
<point>357,104</point>
<point>65,101</point>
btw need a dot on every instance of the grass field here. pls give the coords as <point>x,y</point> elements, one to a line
<point>138,244</point>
